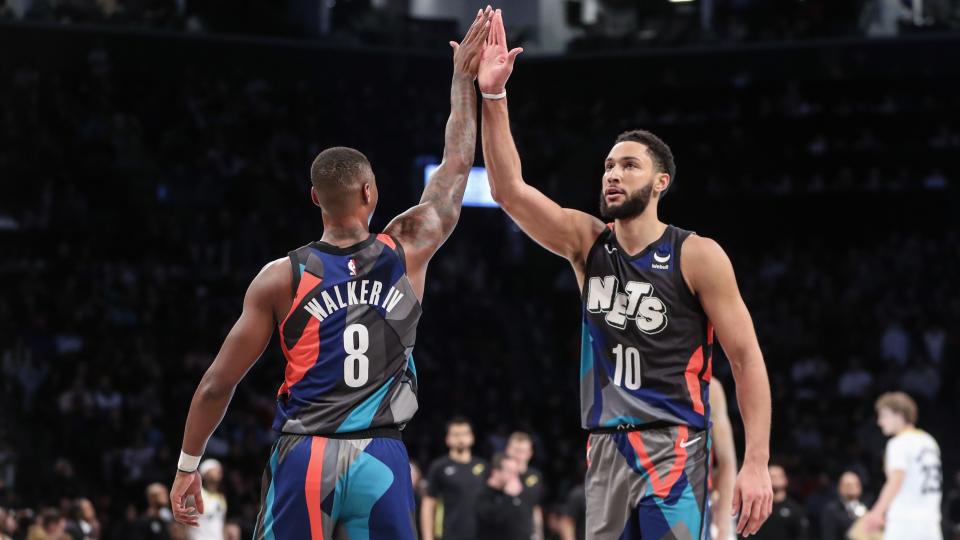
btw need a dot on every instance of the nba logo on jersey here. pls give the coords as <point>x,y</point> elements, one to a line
<point>352,266</point>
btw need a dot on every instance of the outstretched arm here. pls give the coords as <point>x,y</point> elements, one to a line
<point>710,276</point>
<point>242,347</point>
<point>423,229</point>
<point>568,233</point>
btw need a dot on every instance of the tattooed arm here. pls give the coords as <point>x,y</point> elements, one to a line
<point>423,229</point>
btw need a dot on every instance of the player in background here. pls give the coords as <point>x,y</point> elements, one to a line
<point>724,474</point>
<point>453,482</point>
<point>649,316</point>
<point>909,503</point>
<point>347,308</point>
<point>520,448</point>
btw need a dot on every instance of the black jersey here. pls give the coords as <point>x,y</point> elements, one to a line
<point>647,344</point>
<point>348,340</point>
<point>455,486</point>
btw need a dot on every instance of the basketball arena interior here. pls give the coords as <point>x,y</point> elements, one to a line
<point>156,154</point>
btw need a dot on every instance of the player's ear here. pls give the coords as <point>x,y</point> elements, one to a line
<point>662,183</point>
<point>314,197</point>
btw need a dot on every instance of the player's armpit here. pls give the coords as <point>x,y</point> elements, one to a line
<point>563,231</point>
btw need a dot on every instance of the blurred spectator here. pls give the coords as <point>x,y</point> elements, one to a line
<point>501,512</point>
<point>839,515</point>
<point>520,448</point>
<point>453,483</point>
<point>573,524</point>
<point>787,522</point>
<point>951,514</point>
<point>49,526</point>
<point>8,523</point>
<point>211,522</point>
<point>83,523</point>
<point>156,522</point>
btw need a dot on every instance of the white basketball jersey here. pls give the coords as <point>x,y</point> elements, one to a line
<point>917,454</point>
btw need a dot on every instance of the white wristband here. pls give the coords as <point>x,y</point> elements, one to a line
<point>501,95</point>
<point>188,463</point>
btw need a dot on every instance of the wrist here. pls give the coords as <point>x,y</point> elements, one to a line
<point>188,463</point>
<point>493,89</point>
<point>756,459</point>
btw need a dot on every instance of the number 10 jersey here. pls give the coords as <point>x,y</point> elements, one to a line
<point>348,340</point>
<point>646,350</point>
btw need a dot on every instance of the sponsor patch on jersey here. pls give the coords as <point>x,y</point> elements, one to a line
<point>661,260</point>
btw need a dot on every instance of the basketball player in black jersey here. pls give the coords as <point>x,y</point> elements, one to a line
<point>347,308</point>
<point>652,296</point>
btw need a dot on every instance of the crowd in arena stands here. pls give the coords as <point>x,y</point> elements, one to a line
<point>133,216</point>
<point>618,25</point>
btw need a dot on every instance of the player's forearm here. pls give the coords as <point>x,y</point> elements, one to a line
<point>207,409</point>
<point>427,508</point>
<point>460,143</point>
<point>726,477</point>
<point>499,151</point>
<point>568,530</point>
<point>753,396</point>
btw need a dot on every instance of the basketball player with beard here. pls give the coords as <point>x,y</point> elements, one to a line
<point>653,296</point>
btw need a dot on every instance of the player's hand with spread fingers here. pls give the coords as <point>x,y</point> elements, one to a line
<point>496,65</point>
<point>186,485</point>
<point>752,498</point>
<point>466,54</point>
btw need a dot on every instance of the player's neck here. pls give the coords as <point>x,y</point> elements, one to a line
<point>461,456</point>
<point>343,231</point>
<point>907,428</point>
<point>636,233</point>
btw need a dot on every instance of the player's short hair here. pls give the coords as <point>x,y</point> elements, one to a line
<point>659,151</point>
<point>900,403</point>
<point>337,168</point>
<point>519,437</point>
<point>458,421</point>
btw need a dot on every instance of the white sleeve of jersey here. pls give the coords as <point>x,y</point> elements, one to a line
<point>897,455</point>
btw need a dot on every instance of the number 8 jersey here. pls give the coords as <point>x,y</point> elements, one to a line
<point>348,340</point>
<point>646,349</point>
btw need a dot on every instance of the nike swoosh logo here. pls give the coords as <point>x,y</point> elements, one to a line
<point>684,444</point>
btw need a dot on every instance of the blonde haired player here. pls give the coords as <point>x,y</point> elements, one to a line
<point>909,504</point>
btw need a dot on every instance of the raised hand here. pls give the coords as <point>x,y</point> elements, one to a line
<point>466,54</point>
<point>497,62</point>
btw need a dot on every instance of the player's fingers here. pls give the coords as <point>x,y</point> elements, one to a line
<point>454,45</point>
<point>199,503</point>
<point>745,511</point>
<point>753,525</point>
<point>501,31</point>
<point>512,55</point>
<point>735,504</point>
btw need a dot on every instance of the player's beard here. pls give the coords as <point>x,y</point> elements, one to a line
<point>633,206</point>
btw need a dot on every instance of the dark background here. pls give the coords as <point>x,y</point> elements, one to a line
<point>146,175</point>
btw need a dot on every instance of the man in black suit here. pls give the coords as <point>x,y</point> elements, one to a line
<point>838,515</point>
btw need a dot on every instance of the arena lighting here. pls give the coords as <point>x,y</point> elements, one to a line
<point>478,190</point>
<point>680,1</point>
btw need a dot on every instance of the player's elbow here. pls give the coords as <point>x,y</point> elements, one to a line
<point>212,390</point>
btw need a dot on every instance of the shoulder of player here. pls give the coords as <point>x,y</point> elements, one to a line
<point>275,279</point>
<point>702,260</point>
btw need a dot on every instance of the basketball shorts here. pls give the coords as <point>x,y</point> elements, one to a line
<point>649,484</point>
<point>317,488</point>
